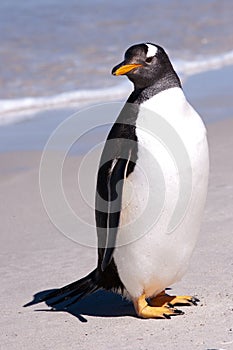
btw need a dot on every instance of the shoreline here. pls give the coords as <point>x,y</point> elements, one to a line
<point>16,109</point>
<point>212,101</point>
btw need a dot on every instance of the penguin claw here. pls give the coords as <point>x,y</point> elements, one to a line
<point>184,301</point>
<point>146,310</point>
<point>164,299</point>
<point>179,312</point>
<point>195,301</point>
<point>173,312</point>
<point>170,305</point>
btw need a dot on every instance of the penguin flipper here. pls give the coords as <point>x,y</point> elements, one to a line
<point>115,190</point>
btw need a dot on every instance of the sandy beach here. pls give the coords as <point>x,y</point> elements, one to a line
<point>36,257</point>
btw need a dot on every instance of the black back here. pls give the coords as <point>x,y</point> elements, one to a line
<point>150,79</point>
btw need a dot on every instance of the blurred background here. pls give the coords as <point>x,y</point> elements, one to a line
<point>56,52</point>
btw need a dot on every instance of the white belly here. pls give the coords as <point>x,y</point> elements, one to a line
<point>164,197</point>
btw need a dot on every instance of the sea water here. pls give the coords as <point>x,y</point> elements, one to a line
<point>55,52</point>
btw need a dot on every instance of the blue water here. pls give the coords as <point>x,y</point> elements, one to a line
<point>53,46</point>
<point>212,100</point>
<point>57,53</point>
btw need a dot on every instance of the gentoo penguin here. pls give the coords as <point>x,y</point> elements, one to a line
<point>139,256</point>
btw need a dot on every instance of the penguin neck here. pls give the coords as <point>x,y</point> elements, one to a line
<point>168,81</point>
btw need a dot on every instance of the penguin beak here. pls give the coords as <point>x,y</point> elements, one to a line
<point>123,68</point>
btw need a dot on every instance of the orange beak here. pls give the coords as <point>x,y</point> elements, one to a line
<point>126,68</point>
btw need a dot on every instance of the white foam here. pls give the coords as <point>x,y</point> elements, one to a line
<point>201,65</point>
<point>15,110</point>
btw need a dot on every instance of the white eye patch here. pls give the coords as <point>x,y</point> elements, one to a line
<point>152,50</point>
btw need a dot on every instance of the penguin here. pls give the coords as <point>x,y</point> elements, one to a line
<point>138,257</point>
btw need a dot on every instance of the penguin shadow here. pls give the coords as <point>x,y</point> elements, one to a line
<point>99,304</point>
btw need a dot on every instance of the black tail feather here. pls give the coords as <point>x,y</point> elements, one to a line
<point>81,296</point>
<point>81,288</point>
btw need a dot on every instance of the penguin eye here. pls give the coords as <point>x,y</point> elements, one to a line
<point>149,59</point>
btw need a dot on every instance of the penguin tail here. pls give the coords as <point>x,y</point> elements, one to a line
<point>74,291</point>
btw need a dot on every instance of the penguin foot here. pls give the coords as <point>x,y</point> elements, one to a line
<point>164,299</point>
<point>144,310</point>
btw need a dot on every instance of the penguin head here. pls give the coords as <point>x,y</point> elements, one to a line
<point>144,64</point>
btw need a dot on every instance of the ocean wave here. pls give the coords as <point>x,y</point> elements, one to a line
<point>200,65</point>
<point>14,110</point>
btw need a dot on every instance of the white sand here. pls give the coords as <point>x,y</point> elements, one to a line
<point>36,257</point>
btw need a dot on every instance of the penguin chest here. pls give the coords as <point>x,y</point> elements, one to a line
<point>162,203</point>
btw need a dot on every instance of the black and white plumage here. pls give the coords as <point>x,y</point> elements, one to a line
<point>145,267</point>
